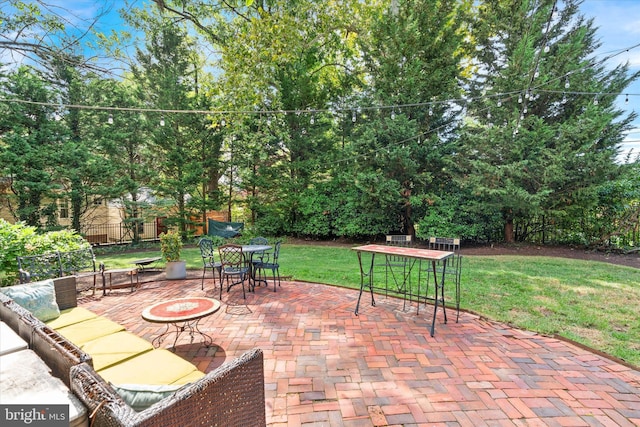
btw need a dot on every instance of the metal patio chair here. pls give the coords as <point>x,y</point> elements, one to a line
<point>393,263</point>
<point>233,265</point>
<point>258,256</point>
<point>453,267</point>
<point>270,262</point>
<point>207,252</point>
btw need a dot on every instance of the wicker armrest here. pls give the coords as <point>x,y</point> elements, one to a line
<point>18,318</point>
<point>105,406</point>
<point>232,395</point>
<point>57,352</point>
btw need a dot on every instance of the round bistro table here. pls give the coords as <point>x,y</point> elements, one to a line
<point>249,251</point>
<point>181,315</point>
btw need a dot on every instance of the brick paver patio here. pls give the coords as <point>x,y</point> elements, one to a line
<point>324,366</point>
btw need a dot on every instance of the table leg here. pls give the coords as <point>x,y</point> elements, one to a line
<point>158,340</point>
<point>206,339</point>
<point>438,287</point>
<point>190,327</point>
<point>252,274</point>
<point>362,277</point>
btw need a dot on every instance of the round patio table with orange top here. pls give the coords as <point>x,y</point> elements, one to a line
<point>183,314</point>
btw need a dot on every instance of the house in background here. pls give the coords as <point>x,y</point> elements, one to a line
<point>105,223</point>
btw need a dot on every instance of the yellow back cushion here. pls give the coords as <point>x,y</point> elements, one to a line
<point>158,366</point>
<point>115,348</point>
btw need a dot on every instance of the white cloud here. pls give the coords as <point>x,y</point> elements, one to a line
<point>634,59</point>
<point>633,27</point>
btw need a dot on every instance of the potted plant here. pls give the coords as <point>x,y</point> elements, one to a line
<point>171,245</point>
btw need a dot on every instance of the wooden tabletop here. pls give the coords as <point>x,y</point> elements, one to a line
<point>427,254</point>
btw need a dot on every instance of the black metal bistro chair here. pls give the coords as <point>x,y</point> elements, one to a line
<point>207,252</point>
<point>258,256</point>
<point>394,264</point>
<point>453,266</point>
<point>233,265</point>
<point>39,267</point>
<point>270,262</point>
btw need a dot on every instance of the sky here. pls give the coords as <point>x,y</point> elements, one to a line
<point>618,23</point>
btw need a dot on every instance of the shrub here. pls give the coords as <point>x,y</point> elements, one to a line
<point>171,245</point>
<point>22,240</point>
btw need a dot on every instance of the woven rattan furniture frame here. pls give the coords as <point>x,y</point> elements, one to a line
<point>55,350</point>
<point>231,395</point>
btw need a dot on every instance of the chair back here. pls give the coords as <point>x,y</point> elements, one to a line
<point>399,240</point>
<point>259,255</point>
<point>39,267</point>
<point>276,251</point>
<point>231,255</point>
<point>449,244</point>
<point>76,261</point>
<point>206,248</point>
<point>259,241</point>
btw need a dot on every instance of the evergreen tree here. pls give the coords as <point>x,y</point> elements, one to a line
<point>86,177</point>
<point>415,54</point>
<point>289,58</point>
<point>543,132</point>
<point>31,138</point>
<point>166,71</point>
<point>123,148</point>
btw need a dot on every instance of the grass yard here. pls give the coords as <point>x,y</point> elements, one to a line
<point>594,303</point>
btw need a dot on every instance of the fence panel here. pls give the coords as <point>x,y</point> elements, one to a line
<point>119,233</point>
<point>544,230</point>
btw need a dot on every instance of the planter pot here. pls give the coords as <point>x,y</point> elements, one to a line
<point>176,270</point>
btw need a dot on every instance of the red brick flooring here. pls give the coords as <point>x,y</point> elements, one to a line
<point>324,366</point>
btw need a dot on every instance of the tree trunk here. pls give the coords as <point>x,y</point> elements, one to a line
<point>76,204</point>
<point>407,221</point>
<point>508,230</point>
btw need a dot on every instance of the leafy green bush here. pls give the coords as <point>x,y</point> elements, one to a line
<point>270,222</point>
<point>171,245</point>
<point>22,240</point>
<point>13,239</point>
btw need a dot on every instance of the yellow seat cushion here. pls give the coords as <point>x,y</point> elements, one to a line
<point>70,316</point>
<point>115,348</point>
<point>83,332</point>
<point>155,367</point>
<point>189,378</point>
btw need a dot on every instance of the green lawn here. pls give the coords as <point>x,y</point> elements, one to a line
<point>596,304</point>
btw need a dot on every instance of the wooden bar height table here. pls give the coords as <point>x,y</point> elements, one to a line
<point>412,255</point>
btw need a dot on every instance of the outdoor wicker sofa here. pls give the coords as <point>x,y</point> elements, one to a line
<point>231,395</point>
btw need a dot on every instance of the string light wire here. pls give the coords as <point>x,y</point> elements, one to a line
<point>393,108</point>
<point>505,96</point>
